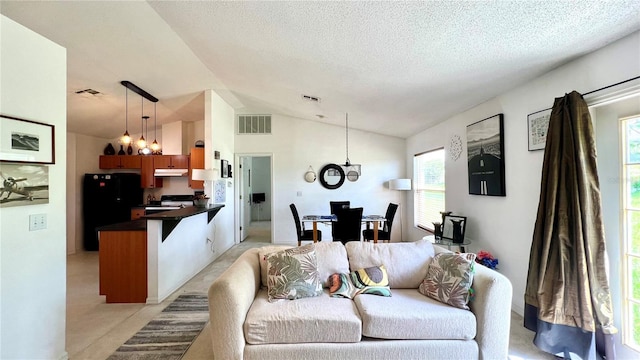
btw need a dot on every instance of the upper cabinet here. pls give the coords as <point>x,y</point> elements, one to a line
<point>147,180</point>
<point>171,161</point>
<point>197,162</point>
<point>120,162</point>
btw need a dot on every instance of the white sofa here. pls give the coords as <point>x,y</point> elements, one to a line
<point>407,325</point>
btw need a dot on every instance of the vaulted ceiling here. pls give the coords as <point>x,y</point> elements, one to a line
<point>396,67</point>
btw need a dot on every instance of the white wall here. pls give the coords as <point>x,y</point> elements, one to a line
<point>504,225</point>
<point>33,263</point>
<point>219,136</point>
<point>295,144</point>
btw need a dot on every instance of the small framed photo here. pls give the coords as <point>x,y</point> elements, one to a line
<point>224,168</point>
<point>26,141</point>
<point>538,124</point>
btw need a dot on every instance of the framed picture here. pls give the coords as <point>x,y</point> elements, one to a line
<point>453,228</point>
<point>26,141</point>
<point>485,157</point>
<point>24,184</point>
<point>537,126</point>
<point>224,168</point>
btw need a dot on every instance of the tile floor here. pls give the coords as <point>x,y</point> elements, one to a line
<point>95,329</point>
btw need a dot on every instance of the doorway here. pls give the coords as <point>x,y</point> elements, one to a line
<point>255,199</point>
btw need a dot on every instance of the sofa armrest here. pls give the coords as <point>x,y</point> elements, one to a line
<point>492,307</point>
<point>230,297</point>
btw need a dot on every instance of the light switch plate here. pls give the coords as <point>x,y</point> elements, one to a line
<point>37,222</point>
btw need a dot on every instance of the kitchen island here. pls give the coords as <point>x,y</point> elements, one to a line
<point>145,260</point>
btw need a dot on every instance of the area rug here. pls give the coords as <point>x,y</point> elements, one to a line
<point>169,335</point>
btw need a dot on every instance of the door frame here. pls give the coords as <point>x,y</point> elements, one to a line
<point>240,189</point>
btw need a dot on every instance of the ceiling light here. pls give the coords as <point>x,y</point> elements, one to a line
<point>352,171</point>
<point>155,147</point>
<point>126,139</point>
<point>143,148</point>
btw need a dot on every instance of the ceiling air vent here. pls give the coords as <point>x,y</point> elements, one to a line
<point>310,98</point>
<point>88,91</point>
<point>254,124</point>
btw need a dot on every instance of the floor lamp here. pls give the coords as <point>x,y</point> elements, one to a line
<point>402,185</point>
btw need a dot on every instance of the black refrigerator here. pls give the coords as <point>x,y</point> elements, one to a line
<point>107,199</point>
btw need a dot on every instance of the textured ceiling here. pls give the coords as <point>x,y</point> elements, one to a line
<point>396,67</point>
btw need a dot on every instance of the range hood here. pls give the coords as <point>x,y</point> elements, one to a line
<point>170,172</point>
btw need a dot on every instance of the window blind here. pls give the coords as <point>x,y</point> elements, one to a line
<point>429,188</point>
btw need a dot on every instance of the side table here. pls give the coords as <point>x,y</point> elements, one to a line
<point>448,243</point>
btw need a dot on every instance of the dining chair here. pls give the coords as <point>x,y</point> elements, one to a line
<point>348,225</point>
<point>335,206</point>
<point>303,235</point>
<point>385,232</point>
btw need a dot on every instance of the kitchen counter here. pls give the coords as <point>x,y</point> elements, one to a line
<point>179,214</point>
<point>134,225</point>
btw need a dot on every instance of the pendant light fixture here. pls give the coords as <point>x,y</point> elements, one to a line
<point>126,139</point>
<point>146,150</point>
<point>143,146</point>
<point>142,143</point>
<point>352,171</point>
<point>155,147</point>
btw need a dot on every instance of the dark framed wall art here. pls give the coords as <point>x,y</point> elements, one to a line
<point>485,156</point>
<point>224,168</point>
<point>537,126</point>
<point>26,141</point>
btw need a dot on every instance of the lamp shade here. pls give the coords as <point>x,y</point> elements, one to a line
<point>400,184</point>
<point>203,174</point>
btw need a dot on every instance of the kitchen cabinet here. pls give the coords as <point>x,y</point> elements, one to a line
<point>123,265</point>
<point>196,162</point>
<point>147,180</point>
<point>171,161</point>
<point>120,162</point>
<point>137,213</point>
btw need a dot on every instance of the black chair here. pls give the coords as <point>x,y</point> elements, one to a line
<point>335,206</point>
<point>348,225</point>
<point>385,233</point>
<point>303,235</point>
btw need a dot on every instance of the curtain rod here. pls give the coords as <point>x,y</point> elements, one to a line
<point>596,90</point>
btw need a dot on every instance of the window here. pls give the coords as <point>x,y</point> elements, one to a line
<point>631,224</point>
<point>428,177</point>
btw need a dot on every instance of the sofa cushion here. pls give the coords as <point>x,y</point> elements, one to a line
<point>332,258</point>
<point>320,319</point>
<point>406,263</point>
<point>449,279</point>
<point>262,255</point>
<point>293,273</point>
<point>371,280</point>
<point>413,316</point>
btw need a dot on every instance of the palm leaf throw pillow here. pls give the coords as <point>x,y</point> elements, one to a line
<point>449,279</point>
<point>293,274</point>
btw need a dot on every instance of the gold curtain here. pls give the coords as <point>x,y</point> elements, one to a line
<point>567,283</point>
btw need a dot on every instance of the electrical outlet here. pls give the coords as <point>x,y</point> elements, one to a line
<point>37,222</point>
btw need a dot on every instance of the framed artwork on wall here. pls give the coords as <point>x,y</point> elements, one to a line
<point>485,157</point>
<point>24,184</point>
<point>26,141</point>
<point>224,168</point>
<point>537,126</point>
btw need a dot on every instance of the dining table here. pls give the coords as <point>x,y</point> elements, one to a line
<point>376,220</point>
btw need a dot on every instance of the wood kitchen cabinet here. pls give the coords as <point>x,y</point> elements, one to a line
<point>147,180</point>
<point>137,213</point>
<point>171,161</point>
<point>196,162</point>
<point>122,262</point>
<point>120,162</point>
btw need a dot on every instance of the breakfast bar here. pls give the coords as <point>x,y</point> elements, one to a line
<point>145,260</point>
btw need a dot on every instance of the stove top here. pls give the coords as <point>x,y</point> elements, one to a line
<point>176,200</point>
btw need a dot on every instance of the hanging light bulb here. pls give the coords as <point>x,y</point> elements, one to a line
<point>155,147</point>
<point>142,143</point>
<point>145,149</point>
<point>126,139</point>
